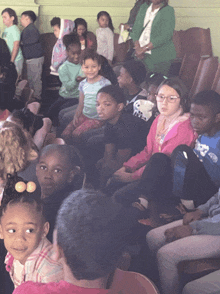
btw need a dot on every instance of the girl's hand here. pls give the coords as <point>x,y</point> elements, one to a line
<point>122,176</point>
<point>192,216</point>
<point>176,233</point>
<point>76,119</point>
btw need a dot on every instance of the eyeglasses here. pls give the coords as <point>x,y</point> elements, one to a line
<point>170,99</point>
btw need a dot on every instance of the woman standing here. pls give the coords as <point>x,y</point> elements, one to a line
<point>152,35</point>
<point>12,37</point>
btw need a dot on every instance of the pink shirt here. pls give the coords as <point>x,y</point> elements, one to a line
<point>181,133</point>
<point>39,266</point>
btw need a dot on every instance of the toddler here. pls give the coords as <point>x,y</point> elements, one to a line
<point>105,36</point>
<point>86,116</point>
<point>32,52</point>
<point>24,229</point>
<point>69,75</point>
<point>61,27</point>
<point>59,172</point>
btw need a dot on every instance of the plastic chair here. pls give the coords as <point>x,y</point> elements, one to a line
<point>216,82</point>
<point>204,75</point>
<point>131,283</point>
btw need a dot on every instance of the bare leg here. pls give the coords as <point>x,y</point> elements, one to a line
<point>34,107</point>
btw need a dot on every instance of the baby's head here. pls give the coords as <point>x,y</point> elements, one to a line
<point>15,149</point>
<point>91,64</point>
<point>73,47</point>
<point>22,222</point>
<point>132,72</point>
<point>55,23</point>
<point>110,102</point>
<point>59,166</point>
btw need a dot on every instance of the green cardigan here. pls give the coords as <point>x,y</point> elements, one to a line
<point>161,35</point>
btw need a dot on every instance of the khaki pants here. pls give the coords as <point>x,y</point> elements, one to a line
<point>34,73</point>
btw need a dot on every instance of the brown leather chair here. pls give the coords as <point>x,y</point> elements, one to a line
<point>194,40</point>
<point>120,50</point>
<point>216,82</point>
<point>124,282</point>
<point>204,75</point>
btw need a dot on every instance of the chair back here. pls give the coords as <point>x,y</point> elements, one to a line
<point>120,50</point>
<point>216,82</point>
<point>125,282</point>
<point>204,75</point>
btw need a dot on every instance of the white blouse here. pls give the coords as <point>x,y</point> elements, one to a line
<point>105,42</point>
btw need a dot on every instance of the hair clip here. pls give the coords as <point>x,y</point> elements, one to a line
<point>30,187</point>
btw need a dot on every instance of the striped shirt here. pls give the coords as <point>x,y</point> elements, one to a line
<point>39,266</point>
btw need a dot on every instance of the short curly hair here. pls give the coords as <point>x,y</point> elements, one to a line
<point>15,145</point>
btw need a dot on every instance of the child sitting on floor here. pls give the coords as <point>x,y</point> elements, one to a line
<point>86,116</point>
<point>91,235</point>
<point>69,75</point>
<point>61,27</point>
<point>24,229</point>
<point>59,172</point>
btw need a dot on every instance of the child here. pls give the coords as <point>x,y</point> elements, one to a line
<point>61,27</point>
<point>59,171</point>
<point>90,243</point>
<point>32,52</point>
<point>24,229</point>
<point>69,75</point>
<point>170,129</point>
<point>124,134</point>
<point>87,39</point>
<point>196,236</point>
<point>105,36</point>
<point>86,116</point>
<point>12,37</point>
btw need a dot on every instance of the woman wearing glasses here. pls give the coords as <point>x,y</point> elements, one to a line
<point>152,35</point>
<point>144,173</point>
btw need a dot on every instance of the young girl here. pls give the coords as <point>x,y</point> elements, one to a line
<point>24,228</point>
<point>105,36</point>
<point>59,172</point>
<point>87,39</point>
<point>170,129</point>
<point>86,116</point>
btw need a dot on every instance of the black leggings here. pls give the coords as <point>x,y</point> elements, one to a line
<point>180,176</point>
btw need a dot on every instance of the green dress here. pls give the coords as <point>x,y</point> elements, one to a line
<point>161,37</point>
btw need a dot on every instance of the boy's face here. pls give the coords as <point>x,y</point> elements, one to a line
<point>53,172</point>
<point>22,229</point>
<point>152,90</point>
<point>73,53</point>
<point>24,20</point>
<point>80,30</point>
<point>107,108</point>
<point>202,119</point>
<point>56,31</point>
<point>91,68</point>
<point>124,79</point>
<point>7,19</point>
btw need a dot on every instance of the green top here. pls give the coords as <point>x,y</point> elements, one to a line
<point>10,35</point>
<point>161,34</point>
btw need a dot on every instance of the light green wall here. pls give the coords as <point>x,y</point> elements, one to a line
<point>189,13</point>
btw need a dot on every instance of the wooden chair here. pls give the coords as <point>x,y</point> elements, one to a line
<point>120,50</point>
<point>131,283</point>
<point>188,68</point>
<point>216,82</point>
<point>194,40</point>
<point>204,75</point>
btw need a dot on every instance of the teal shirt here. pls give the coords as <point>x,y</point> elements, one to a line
<point>10,35</point>
<point>68,72</point>
<point>161,34</point>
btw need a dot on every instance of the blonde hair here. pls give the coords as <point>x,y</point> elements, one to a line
<point>15,147</point>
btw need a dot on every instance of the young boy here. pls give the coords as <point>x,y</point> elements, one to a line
<point>69,75</point>
<point>32,52</point>
<point>59,172</point>
<point>91,234</point>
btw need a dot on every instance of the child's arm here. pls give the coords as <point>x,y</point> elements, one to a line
<point>79,109</point>
<point>110,45</point>
<point>66,79</point>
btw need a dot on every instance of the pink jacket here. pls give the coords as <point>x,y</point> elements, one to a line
<point>181,133</point>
